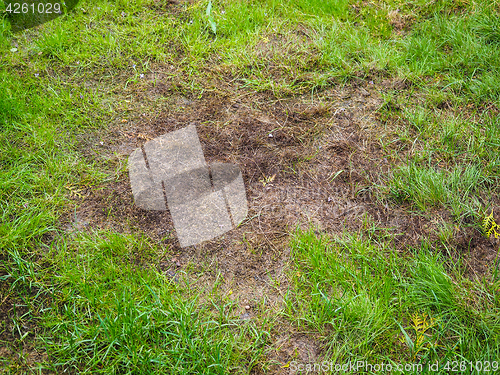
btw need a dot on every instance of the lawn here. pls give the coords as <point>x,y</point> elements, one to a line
<point>368,135</point>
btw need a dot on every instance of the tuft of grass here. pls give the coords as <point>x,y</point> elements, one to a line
<point>425,187</point>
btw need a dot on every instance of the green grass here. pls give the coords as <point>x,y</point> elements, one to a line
<point>361,298</point>
<point>115,316</point>
<point>97,304</point>
<point>426,187</point>
<point>108,313</point>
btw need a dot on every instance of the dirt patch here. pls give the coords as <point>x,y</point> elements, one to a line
<point>294,347</point>
<point>304,163</point>
<point>402,23</point>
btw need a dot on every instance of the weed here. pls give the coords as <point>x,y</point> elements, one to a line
<point>490,226</point>
<point>421,324</point>
<point>210,18</point>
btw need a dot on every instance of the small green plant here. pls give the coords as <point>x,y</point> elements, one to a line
<point>421,324</point>
<point>210,18</point>
<point>490,226</point>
